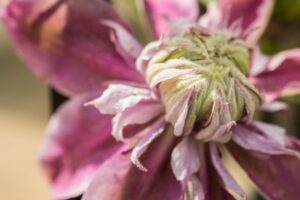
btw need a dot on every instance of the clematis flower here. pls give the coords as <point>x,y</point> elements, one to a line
<point>171,105</point>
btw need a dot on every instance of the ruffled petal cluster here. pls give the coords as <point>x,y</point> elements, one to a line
<point>172,106</point>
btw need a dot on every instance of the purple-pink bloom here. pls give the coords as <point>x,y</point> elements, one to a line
<point>170,105</point>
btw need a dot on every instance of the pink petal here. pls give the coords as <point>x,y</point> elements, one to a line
<point>77,142</point>
<point>262,138</point>
<point>226,177</point>
<point>119,179</point>
<point>163,13</point>
<point>254,15</point>
<point>185,159</point>
<point>64,42</point>
<point>125,43</point>
<point>259,62</point>
<point>277,176</point>
<point>248,18</point>
<point>281,77</point>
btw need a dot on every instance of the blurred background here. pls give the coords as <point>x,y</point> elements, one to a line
<point>25,108</point>
<point>23,115</point>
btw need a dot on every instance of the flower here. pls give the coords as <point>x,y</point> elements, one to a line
<point>171,104</point>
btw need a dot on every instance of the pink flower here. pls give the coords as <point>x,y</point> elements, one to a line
<point>170,104</point>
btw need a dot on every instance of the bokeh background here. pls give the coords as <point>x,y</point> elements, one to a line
<point>25,106</point>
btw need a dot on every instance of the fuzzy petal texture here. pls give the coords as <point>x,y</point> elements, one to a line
<point>78,140</point>
<point>120,179</point>
<point>281,76</point>
<point>163,13</point>
<point>277,176</point>
<point>64,42</point>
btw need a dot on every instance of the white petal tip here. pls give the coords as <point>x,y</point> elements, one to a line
<point>138,164</point>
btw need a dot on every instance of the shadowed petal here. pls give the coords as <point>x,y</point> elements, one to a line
<point>120,179</point>
<point>64,42</point>
<point>163,13</point>
<point>275,175</point>
<point>226,177</point>
<point>281,77</point>
<point>78,140</point>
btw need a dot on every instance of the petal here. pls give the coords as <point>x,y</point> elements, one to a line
<point>226,177</point>
<point>117,97</point>
<point>125,43</point>
<point>139,114</point>
<point>77,142</point>
<point>259,62</point>
<point>163,13</point>
<point>277,176</point>
<point>64,42</point>
<point>248,18</point>
<point>262,138</point>
<point>119,179</point>
<point>178,113</point>
<point>151,133</point>
<point>185,159</point>
<point>281,77</point>
<point>274,106</point>
<point>195,189</point>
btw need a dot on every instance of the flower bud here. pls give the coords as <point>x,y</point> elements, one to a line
<point>202,82</point>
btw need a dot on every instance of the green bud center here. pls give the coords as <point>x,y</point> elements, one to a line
<point>211,67</point>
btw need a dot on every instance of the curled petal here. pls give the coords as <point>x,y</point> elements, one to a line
<point>145,56</point>
<point>141,113</point>
<point>150,134</point>
<point>77,142</point>
<point>163,13</point>
<point>119,178</point>
<point>263,138</point>
<point>117,97</point>
<point>178,113</point>
<point>281,76</point>
<point>64,42</point>
<point>185,159</point>
<point>226,177</point>
<point>277,176</point>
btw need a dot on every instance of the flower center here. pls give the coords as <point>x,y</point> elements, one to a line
<point>202,80</point>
